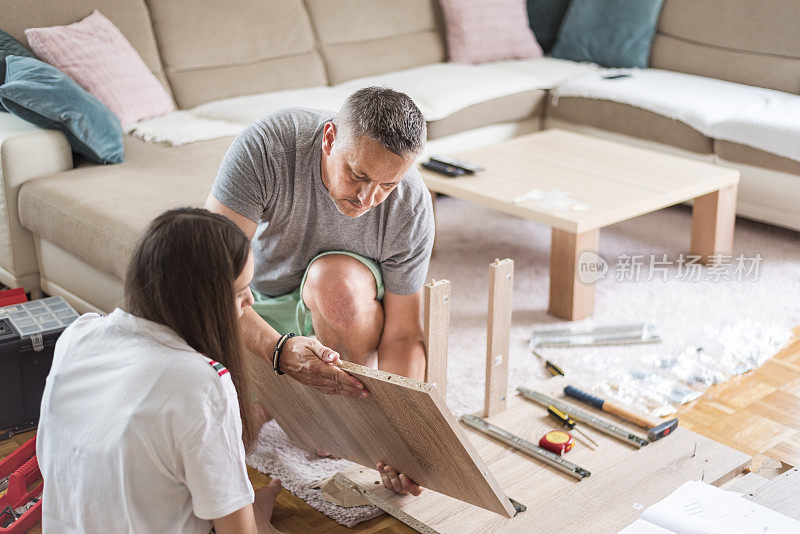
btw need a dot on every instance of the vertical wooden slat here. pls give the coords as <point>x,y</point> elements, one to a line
<point>501,282</point>
<point>436,323</point>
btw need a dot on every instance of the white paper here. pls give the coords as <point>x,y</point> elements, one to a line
<point>699,508</point>
<point>640,526</point>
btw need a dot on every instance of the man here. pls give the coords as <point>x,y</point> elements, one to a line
<point>343,229</point>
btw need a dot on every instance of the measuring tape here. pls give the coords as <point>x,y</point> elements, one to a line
<point>543,455</point>
<point>557,441</point>
<point>592,420</point>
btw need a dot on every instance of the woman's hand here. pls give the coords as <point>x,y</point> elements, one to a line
<point>311,363</point>
<point>399,483</point>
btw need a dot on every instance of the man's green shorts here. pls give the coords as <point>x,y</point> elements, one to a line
<point>288,313</point>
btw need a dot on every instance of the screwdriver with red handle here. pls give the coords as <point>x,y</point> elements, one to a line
<point>568,422</point>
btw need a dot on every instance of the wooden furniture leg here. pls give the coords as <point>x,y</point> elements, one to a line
<point>498,336</point>
<point>436,324</point>
<point>570,298</point>
<point>713,219</point>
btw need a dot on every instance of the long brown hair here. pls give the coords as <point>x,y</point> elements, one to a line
<point>182,275</point>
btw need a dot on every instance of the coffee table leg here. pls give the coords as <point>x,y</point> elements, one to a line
<point>570,298</point>
<point>713,219</point>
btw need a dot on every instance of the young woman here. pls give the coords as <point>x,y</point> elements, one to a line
<point>141,427</point>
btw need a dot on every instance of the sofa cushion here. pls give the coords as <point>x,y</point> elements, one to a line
<point>628,120</point>
<point>130,16</point>
<point>545,18</point>
<point>10,47</point>
<point>516,107</point>
<point>43,95</point>
<point>215,50</point>
<point>364,37</point>
<point>738,153</point>
<point>250,108</point>
<point>612,33</point>
<point>478,31</point>
<point>111,206</point>
<point>94,53</point>
<point>754,43</point>
<point>773,72</point>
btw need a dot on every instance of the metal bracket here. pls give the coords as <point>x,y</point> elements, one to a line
<point>518,506</point>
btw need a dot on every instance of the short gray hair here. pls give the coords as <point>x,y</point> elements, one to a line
<point>387,116</point>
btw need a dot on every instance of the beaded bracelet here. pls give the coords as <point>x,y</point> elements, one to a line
<point>276,356</point>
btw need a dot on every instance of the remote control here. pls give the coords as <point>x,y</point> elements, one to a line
<point>442,168</point>
<point>468,168</point>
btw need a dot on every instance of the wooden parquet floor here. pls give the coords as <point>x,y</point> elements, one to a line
<point>758,413</point>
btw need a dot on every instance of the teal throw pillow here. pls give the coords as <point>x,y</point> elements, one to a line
<point>10,47</point>
<point>545,18</point>
<point>45,96</point>
<point>611,33</point>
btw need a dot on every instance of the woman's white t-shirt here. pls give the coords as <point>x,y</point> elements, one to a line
<point>138,432</point>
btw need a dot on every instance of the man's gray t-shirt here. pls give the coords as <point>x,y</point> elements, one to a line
<point>271,175</point>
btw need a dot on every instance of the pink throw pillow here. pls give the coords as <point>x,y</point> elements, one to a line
<point>488,30</point>
<point>94,53</point>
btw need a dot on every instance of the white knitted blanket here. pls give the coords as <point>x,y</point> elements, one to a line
<point>761,118</point>
<point>442,89</point>
<point>181,127</point>
<point>439,90</point>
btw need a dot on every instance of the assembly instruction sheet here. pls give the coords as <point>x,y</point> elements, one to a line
<point>699,508</point>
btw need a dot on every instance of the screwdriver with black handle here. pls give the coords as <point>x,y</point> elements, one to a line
<point>568,422</point>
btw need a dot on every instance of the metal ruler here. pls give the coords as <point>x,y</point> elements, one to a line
<point>543,455</point>
<point>603,425</point>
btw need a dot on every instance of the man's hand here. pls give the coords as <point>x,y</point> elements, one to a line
<point>311,363</point>
<point>399,483</point>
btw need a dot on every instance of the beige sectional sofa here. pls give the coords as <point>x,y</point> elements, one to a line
<point>751,43</point>
<point>68,231</point>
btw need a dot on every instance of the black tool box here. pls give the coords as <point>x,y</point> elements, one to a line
<point>28,335</point>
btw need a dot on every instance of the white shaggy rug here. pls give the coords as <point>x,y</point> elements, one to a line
<point>688,313</point>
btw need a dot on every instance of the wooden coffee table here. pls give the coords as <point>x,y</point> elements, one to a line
<point>612,181</point>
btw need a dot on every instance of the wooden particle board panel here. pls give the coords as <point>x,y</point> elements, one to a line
<point>780,494</point>
<point>747,482</point>
<point>623,479</point>
<point>403,423</point>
